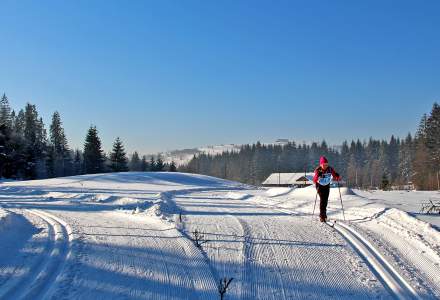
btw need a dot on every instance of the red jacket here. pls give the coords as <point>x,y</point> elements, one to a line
<point>319,172</point>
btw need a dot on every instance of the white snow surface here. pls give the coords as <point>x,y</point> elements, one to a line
<point>131,236</point>
<point>409,201</point>
<point>5,218</point>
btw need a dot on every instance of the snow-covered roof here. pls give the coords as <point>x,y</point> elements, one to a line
<point>288,178</point>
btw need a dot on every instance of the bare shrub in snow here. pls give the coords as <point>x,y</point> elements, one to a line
<point>198,238</point>
<point>223,286</point>
<point>430,206</point>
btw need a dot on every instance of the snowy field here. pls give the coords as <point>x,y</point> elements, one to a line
<point>409,201</point>
<point>131,236</point>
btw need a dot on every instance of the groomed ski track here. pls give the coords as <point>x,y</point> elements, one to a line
<point>390,278</point>
<point>282,257</point>
<point>96,250</point>
<point>39,282</point>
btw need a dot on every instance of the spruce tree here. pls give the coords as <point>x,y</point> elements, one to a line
<point>385,184</point>
<point>35,138</point>
<point>77,163</point>
<point>12,144</point>
<point>93,153</point>
<point>172,167</point>
<point>5,112</point>
<point>433,137</point>
<point>421,163</point>
<point>406,156</point>
<point>159,164</point>
<point>5,137</point>
<point>144,164</point>
<point>51,162</point>
<point>118,158</point>
<point>152,164</point>
<point>12,159</point>
<point>60,151</point>
<point>393,157</point>
<point>135,162</point>
<point>19,124</point>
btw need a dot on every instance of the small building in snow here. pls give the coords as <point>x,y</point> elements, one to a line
<point>289,180</point>
<point>293,180</point>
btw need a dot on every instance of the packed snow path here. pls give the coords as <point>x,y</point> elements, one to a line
<point>391,279</point>
<point>120,236</point>
<point>273,255</point>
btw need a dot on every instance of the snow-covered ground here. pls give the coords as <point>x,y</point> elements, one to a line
<point>412,246</point>
<point>130,236</point>
<point>409,201</point>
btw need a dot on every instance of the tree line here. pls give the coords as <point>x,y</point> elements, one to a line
<point>28,151</point>
<point>400,162</point>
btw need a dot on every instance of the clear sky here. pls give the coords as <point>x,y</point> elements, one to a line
<point>167,75</point>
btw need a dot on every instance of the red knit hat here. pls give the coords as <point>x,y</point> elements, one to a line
<point>323,160</point>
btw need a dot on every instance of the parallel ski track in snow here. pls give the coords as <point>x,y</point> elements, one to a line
<point>396,285</point>
<point>266,263</point>
<point>390,278</point>
<point>256,253</point>
<point>40,281</point>
<point>202,281</point>
<point>201,260</point>
<point>249,288</point>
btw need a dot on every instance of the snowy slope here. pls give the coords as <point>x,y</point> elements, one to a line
<point>410,245</point>
<point>130,236</point>
<point>409,201</point>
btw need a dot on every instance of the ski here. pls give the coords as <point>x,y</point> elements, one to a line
<point>331,223</point>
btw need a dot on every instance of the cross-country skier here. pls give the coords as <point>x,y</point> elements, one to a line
<point>322,179</point>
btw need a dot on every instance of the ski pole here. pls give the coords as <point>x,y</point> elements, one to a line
<point>314,206</point>
<point>340,197</point>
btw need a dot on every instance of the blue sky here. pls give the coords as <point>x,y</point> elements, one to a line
<point>167,75</point>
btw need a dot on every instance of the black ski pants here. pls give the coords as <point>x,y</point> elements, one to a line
<point>323,192</point>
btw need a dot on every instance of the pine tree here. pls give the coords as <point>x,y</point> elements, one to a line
<point>159,164</point>
<point>19,124</point>
<point>345,158</point>
<point>421,163</point>
<point>12,144</point>
<point>256,164</point>
<point>5,137</point>
<point>393,157</point>
<point>118,157</point>
<point>51,162</point>
<point>5,112</point>
<point>77,163</point>
<point>35,138</point>
<point>172,167</point>
<point>385,184</point>
<point>433,137</point>
<point>60,152</point>
<point>152,164</point>
<point>135,162</point>
<point>12,159</point>
<point>144,164</point>
<point>406,157</point>
<point>93,154</point>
